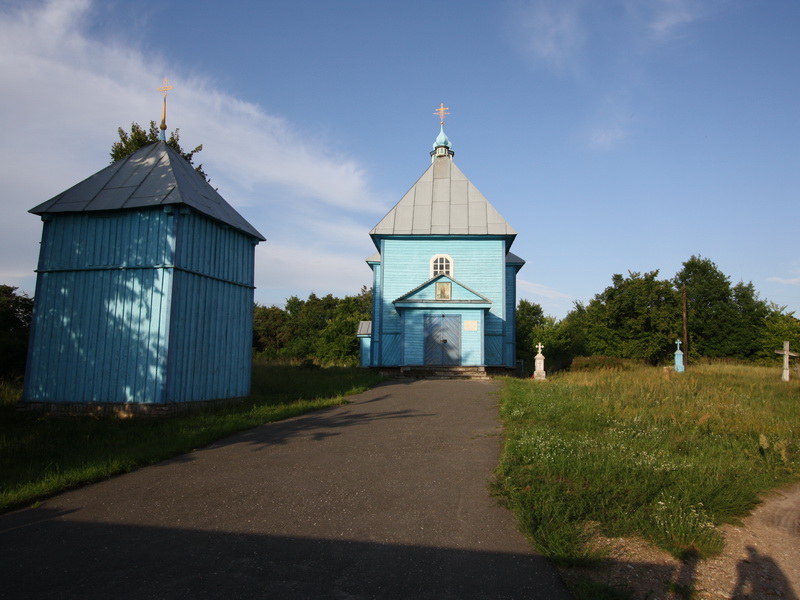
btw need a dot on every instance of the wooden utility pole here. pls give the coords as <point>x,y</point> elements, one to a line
<point>685,329</point>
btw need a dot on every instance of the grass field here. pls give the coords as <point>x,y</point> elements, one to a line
<point>42,455</point>
<point>637,450</point>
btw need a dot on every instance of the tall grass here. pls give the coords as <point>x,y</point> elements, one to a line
<point>41,455</point>
<point>642,451</point>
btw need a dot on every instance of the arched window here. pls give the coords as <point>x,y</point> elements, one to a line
<point>441,264</point>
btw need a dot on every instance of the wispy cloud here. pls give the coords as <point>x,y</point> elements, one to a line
<point>282,269</point>
<point>605,137</point>
<point>552,301</point>
<point>550,33</point>
<point>791,281</point>
<point>67,91</point>
<point>667,16</point>
<point>537,290</point>
<point>612,124</point>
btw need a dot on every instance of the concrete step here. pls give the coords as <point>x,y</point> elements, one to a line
<point>442,372</point>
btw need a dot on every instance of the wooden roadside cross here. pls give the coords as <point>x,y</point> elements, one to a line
<point>786,355</point>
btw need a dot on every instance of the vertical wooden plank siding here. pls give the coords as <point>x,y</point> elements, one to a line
<point>377,311</point>
<point>101,306</point>
<point>365,354</point>
<point>478,263</point>
<point>510,355</point>
<point>141,306</point>
<point>212,314</point>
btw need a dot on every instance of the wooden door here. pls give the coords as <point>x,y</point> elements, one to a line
<point>443,340</point>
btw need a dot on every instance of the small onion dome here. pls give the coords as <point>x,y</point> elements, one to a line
<point>442,145</point>
<point>441,140</point>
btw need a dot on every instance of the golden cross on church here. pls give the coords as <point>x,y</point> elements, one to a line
<point>441,111</point>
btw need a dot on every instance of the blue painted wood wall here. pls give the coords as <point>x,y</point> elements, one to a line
<point>478,263</point>
<point>147,306</point>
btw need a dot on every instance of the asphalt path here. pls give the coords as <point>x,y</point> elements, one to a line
<point>385,497</point>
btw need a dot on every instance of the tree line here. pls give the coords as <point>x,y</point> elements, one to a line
<point>638,317</point>
<point>641,316</point>
<point>322,330</point>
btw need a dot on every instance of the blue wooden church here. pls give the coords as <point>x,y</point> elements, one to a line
<point>144,293</point>
<point>444,279</point>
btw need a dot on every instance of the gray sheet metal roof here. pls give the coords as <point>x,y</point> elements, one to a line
<point>151,176</point>
<point>443,202</point>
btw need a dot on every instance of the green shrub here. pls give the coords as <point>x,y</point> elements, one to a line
<point>596,363</point>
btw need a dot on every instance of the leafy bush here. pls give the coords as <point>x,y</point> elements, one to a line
<point>15,320</point>
<point>597,363</point>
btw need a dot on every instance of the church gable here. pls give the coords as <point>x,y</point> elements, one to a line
<point>442,290</point>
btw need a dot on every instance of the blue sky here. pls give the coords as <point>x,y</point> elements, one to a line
<point>613,136</point>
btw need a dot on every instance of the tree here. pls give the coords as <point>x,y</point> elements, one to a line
<point>712,316</point>
<point>323,329</point>
<point>636,317</point>
<point>724,321</point>
<point>270,333</point>
<point>752,314</point>
<point>305,320</point>
<point>138,138</point>
<point>572,334</point>
<point>780,327</point>
<point>530,316</point>
<point>16,311</point>
<point>337,342</point>
<point>562,340</point>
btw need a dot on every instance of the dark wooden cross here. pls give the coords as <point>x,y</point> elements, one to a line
<point>786,355</point>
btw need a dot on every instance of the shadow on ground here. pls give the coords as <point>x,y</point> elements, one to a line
<point>91,560</point>
<point>758,577</point>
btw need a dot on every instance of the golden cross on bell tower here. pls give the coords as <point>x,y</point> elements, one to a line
<point>441,111</point>
<point>165,88</point>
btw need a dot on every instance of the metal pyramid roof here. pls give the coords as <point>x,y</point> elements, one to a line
<point>443,202</point>
<point>153,175</point>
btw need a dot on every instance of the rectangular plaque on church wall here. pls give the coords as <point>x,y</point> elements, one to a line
<point>470,326</point>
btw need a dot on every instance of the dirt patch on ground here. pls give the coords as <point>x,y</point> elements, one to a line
<point>761,560</point>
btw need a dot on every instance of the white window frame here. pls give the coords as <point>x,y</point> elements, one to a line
<point>448,258</point>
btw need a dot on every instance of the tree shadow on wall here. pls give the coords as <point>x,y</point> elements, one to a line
<point>101,308</point>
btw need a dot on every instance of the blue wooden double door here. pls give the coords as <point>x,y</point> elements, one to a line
<point>442,339</point>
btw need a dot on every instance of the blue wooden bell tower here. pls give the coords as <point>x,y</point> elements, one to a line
<point>144,292</point>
